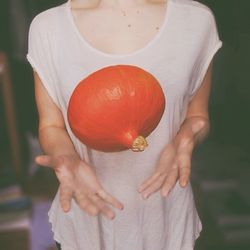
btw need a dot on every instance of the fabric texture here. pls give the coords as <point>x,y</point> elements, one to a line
<point>178,56</point>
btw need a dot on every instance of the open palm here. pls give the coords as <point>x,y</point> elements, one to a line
<point>174,163</point>
<point>78,180</point>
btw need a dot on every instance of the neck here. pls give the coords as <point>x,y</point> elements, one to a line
<point>84,4</point>
<point>119,4</point>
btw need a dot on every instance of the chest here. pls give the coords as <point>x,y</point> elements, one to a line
<point>119,31</point>
<point>171,56</point>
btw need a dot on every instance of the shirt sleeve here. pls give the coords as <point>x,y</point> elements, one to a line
<point>210,45</point>
<point>40,55</point>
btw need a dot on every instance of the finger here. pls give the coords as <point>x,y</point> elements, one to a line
<point>170,181</point>
<point>97,200</point>
<point>149,181</point>
<point>92,209</point>
<point>184,165</point>
<point>85,204</point>
<point>153,187</point>
<point>184,171</point>
<point>110,199</point>
<point>66,195</point>
<point>81,200</point>
<point>44,160</point>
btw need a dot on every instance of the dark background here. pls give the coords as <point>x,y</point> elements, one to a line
<point>221,165</point>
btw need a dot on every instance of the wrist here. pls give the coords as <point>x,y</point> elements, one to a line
<point>193,130</point>
<point>72,155</point>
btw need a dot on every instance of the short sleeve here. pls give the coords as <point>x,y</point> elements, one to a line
<point>40,55</point>
<point>210,44</point>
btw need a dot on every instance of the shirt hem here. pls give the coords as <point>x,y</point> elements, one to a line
<point>57,238</point>
<point>186,246</point>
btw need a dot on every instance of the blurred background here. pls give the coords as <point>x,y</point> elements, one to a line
<point>221,165</point>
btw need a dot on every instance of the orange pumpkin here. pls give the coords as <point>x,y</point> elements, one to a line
<point>116,108</point>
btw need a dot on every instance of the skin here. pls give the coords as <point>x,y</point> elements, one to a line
<point>136,23</point>
<point>77,178</point>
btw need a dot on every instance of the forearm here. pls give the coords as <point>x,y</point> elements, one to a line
<point>55,141</point>
<point>192,132</point>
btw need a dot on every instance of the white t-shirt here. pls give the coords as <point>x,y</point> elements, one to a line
<point>178,56</point>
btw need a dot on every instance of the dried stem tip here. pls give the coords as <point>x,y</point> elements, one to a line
<point>139,144</point>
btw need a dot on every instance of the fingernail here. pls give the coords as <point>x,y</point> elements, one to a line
<point>66,210</point>
<point>165,193</point>
<point>139,189</point>
<point>112,217</point>
<point>145,196</point>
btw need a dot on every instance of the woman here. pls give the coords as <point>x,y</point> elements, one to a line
<point>124,200</point>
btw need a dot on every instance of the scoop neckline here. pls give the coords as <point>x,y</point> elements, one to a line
<point>113,55</point>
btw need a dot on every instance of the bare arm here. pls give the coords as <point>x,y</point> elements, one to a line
<point>77,179</point>
<point>196,124</point>
<point>53,137</point>
<point>175,160</point>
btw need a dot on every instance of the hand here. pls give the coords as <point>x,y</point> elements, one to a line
<point>78,180</point>
<point>175,160</point>
<point>174,163</point>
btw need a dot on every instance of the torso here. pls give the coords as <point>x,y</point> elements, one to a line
<point>178,58</point>
<point>116,32</point>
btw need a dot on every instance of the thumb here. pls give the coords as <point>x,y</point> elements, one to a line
<point>44,160</point>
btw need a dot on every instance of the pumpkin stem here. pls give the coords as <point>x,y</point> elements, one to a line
<point>139,144</point>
